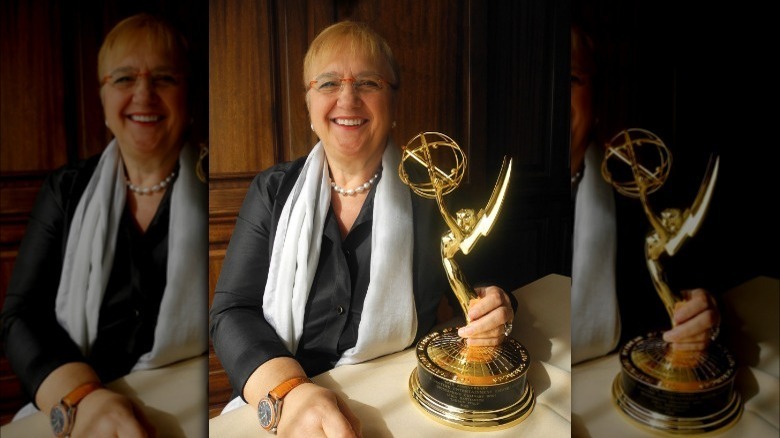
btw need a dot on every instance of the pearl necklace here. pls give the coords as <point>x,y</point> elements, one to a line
<point>576,178</point>
<point>359,189</point>
<point>153,189</point>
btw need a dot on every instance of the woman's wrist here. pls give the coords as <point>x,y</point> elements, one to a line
<point>268,376</point>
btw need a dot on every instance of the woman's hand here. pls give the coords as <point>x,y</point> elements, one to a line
<point>695,321</point>
<point>313,411</point>
<point>488,314</point>
<point>104,413</point>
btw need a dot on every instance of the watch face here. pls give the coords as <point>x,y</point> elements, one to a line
<point>265,413</point>
<point>59,420</point>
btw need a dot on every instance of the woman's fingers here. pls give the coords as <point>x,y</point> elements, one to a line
<point>488,315</point>
<point>106,413</point>
<point>311,410</point>
<point>490,298</point>
<point>696,319</point>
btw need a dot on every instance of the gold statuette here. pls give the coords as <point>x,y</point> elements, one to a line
<point>455,384</point>
<point>677,392</point>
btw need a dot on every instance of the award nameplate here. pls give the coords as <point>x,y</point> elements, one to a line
<point>670,390</point>
<point>459,385</point>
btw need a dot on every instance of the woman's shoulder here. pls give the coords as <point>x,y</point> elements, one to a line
<point>277,177</point>
<point>71,179</point>
<point>281,170</point>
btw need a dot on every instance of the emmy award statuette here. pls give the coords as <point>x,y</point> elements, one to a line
<point>667,390</point>
<point>473,388</point>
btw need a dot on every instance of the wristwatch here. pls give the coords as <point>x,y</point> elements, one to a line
<point>63,414</point>
<point>269,409</point>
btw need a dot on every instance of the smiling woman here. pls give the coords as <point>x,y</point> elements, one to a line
<point>327,263</point>
<point>121,231</point>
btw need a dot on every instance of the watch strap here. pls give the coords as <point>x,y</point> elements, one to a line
<point>74,397</point>
<point>285,387</point>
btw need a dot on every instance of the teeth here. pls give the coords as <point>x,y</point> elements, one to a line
<point>139,118</point>
<point>349,122</point>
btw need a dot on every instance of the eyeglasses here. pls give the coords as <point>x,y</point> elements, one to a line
<point>127,79</point>
<point>331,84</point>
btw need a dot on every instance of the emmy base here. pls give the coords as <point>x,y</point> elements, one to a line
<point>676,392</point>
<point>471,387</point>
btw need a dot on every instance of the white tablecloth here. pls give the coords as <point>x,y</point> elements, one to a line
<point>174,399</point>
<point>751,313</point>
<point>377,391</point>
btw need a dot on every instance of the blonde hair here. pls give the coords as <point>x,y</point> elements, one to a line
<point>143,29</point>
<point>353,38</point>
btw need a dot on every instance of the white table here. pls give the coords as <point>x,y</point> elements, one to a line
<point>377,391</point>
<point>751,310</point>
<point>174,399</point>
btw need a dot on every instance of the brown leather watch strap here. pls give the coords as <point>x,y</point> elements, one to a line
<point>280,391</point>
<point>75,396</point>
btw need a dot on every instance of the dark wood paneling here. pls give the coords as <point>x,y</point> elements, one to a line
<point>242,98</point>
<point>220,390</point>
<point>32,132</point>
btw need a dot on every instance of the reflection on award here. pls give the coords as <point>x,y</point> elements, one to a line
<point>462,386</point>
<point>678,392</point>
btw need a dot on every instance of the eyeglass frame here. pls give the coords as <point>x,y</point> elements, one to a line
<point>379,78</point>
<point>150,74</point>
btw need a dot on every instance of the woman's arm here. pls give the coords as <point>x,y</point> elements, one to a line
<point>251,352</point>
<point>49,364</point>
<point>242,338</point>
<point>36,343</point>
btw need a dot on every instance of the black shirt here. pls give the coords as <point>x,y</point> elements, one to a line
<point>36,344</point>
<point>242,337</point>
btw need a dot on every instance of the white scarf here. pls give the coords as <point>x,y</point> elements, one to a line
<point>595,316</point>
<point>89,257</point>
<point>389,321</point>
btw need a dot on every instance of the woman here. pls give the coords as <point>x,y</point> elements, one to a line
<point>331,259</point>
<point>610,309</point>
<point>111,275</point>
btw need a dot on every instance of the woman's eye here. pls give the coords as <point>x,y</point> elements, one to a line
<point>368,84</point>
<point>329,85</point>
<point>165,80</point>
<point>124,79</point>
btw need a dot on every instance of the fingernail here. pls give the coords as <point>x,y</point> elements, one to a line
<point>463,332</point>
<point>669,336</point>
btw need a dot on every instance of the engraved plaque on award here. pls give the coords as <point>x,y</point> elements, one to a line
<point>666,389</point>
<point>463,386</point>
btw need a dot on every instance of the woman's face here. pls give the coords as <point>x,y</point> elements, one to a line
<point>581,107</point>
<point>352,125</point>
<point>144,100</point>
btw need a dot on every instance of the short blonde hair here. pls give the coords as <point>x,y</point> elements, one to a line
<point>355,38</point>
<point>144,29</point>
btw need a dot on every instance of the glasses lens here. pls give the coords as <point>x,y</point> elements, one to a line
<point>329,84</point>
<point>165,80</point>
<point>123,81</point>
<point>127,80</point>
<point>368,84</point>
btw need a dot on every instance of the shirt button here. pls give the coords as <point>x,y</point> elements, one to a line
<point>347,252</point>
<point>339,310</point>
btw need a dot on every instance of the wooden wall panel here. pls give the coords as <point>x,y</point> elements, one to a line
<point>31,88</point>
<point>242,101</point>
